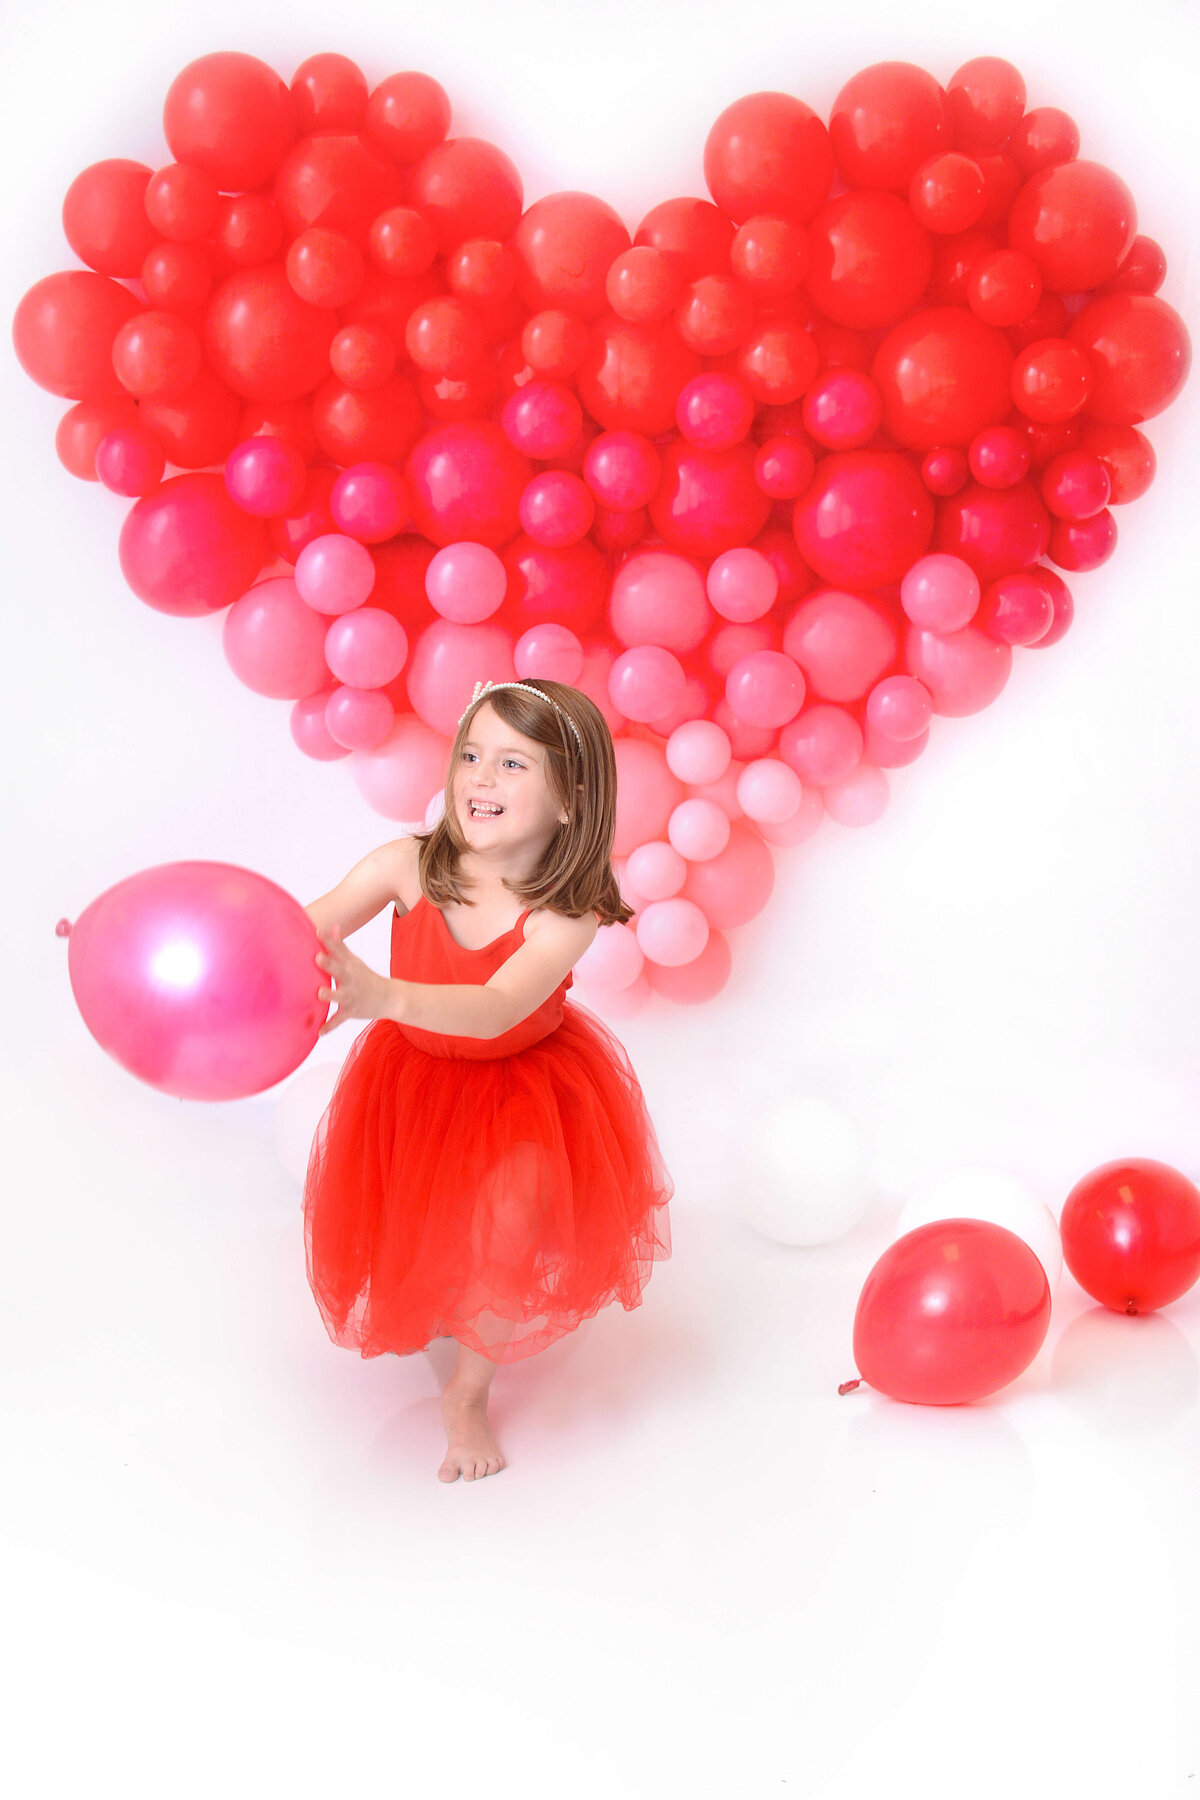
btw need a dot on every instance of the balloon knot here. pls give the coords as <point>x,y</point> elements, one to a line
<point>1130,1307</point>
<point>63,928</point>
<point>847,1385</point>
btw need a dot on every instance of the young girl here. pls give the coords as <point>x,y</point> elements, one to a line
<point>486,1168</point>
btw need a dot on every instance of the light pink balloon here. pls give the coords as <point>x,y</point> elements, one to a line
<point>698,829</point>
<point>765,689</point>
<point>800,827</point>
<point>366,648</point>
<point>892,753</point>
<point>769,790</point>
<point>274,643</point>
<point>940,592</point>
<point>860,799</point>
<point>899,707</point>
<point>199,978</point>
<point>646,682</point>
<point>692,983</point>
<point>334,573</point>
<point>398,779</point>
<point>734,887</point>
<point>656,870</point>
<point>647,793</point>
<point>444,664</point>
<point>466,582</point>
<point>629,1002</point>
<point>963,670</point>
<point>550,650</point>
<point>612,960</point>
<point>698,751</point>
<point>742,584</point>
<point>823,743</point>
<point>660,598</point>
<point>842,642</point>
<point>359,718</point>
<point>671,931</point>
<point>309,731</point>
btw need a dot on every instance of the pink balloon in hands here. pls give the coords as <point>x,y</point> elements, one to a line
<point>199,978</point>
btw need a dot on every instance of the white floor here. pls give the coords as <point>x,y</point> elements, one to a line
<point>230,1567</point>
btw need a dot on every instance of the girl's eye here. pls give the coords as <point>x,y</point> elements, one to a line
<point>508,759</point>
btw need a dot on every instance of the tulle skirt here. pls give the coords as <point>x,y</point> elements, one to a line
<point>499,1202</point>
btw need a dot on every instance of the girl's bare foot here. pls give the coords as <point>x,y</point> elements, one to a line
<point>471,1450</point>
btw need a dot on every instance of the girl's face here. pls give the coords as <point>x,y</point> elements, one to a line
<point>502,768</point>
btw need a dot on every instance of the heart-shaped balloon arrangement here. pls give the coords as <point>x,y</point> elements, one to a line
<point>772,482</point>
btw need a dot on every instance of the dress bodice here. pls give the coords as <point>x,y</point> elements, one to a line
<point>423,950</point>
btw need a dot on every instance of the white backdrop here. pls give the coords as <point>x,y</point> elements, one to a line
<point>1005,966</point>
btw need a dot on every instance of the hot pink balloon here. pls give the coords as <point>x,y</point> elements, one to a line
<point>860,799</point>
<point>698,829</point>
<point>671,931</point>
<point>446,661</point>
<point>557,508</point>
<point>274,643</point>
<point>714,411</point>
<point>660,598</point>
<point>369,501</point>
<point>548,650</point>
<point>1017,609</point>
<point>822,744</point>
<point>310,733</point>
<point>646,682</point>
<point>963,670</point>
<point>199,978</point>
<point>742,584</point>
<point>842,642</point>
<point>265,476</point>
<point>940,592</point>
<point>647,793</point>
<point>889,752</point>
<point>765,688</point>
<point>366,648</point>
<point>843,409</point>
<point>769,790</point>
<point>359,718</point>
<point>186,549</point>
<point>334,573</point>
<point>542,419</point>
<point>623,470</point>
<point>466,582</point>
<point>899,707</point>
<point>130,461</point>
<point>698,751</point>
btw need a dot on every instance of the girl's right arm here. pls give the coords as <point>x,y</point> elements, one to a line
<point>372,884</point>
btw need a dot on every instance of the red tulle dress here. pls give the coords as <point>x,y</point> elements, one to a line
<point>494,1190</point>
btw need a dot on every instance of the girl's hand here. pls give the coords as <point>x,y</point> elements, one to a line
<point>359,992</point>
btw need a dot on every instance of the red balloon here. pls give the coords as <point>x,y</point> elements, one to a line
<point>324,267</point>
<point>407,115</point>
<point>181,203</point>
<point>82,427</point>
<point>951,1312</point>
<point>768,153</point>
<point>263,340</point>
<point>337,180</point>
<point>249,230</point>
<point>187,549</point>
<point>1139,351</point>
<point>330,92</point>
<point>642,285</point>
<point>870,260</point>
<point>708,501</point>
<point>866,517</point>
<point>778,360</point>
<point>1128,456</point>
<point>714,315</point>
<point>1131,1234</point>
<point>985,100</point>
<point>104,216</point>
<point>157,355</point>
<point>948,193</point>
<point>467,188</point>
<point>178,277</point>
<point>1051,380</point>
<point>995,530</point>
<point>568,583</point>
<point>565,243</point>
<point>944,376</point>
<point>1075,485</point>
<point>1143,271</point>
<point>1044,137</point>
<point>770,255</point>
<point>232,116</point>
<point>631,375</point>
<point>199,427</point>
<point>1003,288</point>
<point>63,332</point>
<point>885,123</point>
<point>1076,221</point>
<point>695,233</point>
<point>1083,543</point>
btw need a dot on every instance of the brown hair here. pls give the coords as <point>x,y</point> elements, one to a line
<point>575,874</point>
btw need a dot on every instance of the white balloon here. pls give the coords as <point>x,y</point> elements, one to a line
<point>803,1176</point>
<point>994,1195</point>
<point>298,1113</point>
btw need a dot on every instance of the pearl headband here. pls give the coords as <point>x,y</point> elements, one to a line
<point>488,687</point>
